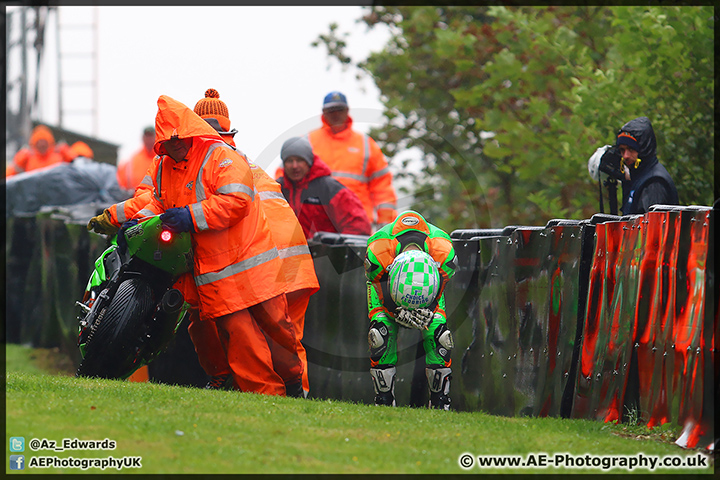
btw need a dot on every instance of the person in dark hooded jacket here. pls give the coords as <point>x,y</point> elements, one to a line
<point>649,183</point>
<point>321,203</point>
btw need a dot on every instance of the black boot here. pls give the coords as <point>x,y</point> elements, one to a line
<point>294,390</point>
<point>439,384</point>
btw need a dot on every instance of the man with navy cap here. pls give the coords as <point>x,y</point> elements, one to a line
<point>355,160</point>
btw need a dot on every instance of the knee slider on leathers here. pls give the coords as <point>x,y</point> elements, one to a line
<point>377,340</point>
<point>444,342</point>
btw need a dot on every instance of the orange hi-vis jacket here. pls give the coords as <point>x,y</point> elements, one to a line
<point>236,262</point>
<point>125,210</point>
<point>287,233</point>
<point>27,159</point>
<point>131,172</point>
<point>285,227</point>
<point>358,163</point>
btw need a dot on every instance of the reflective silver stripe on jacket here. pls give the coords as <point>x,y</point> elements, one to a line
<point>146,213</point>
<point>236,268</point>
<point>158,180</point>
<point>236,188</point>
<point>145,181</point>
<point>271,196</point>
<point>199,185</point>
<point>366,154</point>
<point>121,218</point>
<point>199,216</point>
<point>366,158</point>
<point>293,251</point>
<point>386,205</point>
<point>379,173</point>
<point>354,176</point>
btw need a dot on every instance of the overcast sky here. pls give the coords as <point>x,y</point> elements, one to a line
<point>258,58</point>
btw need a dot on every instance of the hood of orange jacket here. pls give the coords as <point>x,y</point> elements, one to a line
<point>174,119</point>
<point>41,132</point>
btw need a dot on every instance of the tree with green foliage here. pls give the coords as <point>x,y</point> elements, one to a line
<point>507,104</point>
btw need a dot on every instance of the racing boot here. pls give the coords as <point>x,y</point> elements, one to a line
<point>384,383</point>
<point>439,384</point>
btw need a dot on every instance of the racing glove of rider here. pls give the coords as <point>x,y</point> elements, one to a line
<point>102,224</point>
<point>418,318</point>
<point>178,219</point>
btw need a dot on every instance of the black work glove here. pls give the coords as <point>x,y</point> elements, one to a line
<point>121,240</point>
<point>178,219</point>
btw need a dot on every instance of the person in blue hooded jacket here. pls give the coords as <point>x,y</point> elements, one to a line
<point>649,183</point>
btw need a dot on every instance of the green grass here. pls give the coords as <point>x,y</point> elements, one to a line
<point>187,430</point>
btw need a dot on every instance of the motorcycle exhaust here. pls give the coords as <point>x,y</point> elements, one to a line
<point>172,301</point>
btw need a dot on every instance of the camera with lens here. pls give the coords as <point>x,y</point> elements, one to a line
<point>611,163</point>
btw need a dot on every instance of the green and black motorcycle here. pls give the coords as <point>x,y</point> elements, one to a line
<point>130,311</point>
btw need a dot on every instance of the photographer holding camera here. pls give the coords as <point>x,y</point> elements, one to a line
<point>633,161</point>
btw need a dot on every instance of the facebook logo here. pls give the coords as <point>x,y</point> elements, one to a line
<point>17,462</point>
<point>17,444</point>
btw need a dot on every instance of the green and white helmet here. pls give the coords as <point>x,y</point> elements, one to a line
<point>414,279</point>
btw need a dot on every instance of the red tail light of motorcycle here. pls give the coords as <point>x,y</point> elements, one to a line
<point>166,236</point>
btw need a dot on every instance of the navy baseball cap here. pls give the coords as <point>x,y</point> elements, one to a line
<point>334,100</point>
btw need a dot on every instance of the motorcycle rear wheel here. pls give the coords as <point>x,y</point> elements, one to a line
<point>111,348</point>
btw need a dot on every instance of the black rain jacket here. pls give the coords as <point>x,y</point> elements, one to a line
<point>650,183</point>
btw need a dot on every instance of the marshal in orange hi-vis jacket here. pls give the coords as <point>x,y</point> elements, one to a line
<point>40,154</point>
<point>236,264</point>
<point>356,161</point>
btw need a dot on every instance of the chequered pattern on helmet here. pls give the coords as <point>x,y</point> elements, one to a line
<point>414,279</point>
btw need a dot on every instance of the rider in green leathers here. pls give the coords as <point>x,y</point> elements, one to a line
<point>409,231</point>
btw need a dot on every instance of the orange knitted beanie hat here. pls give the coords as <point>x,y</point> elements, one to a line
<point>212,107</point>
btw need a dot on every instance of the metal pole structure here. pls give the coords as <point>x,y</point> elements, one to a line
<point>96,60</point>
<point>59,70</point>
<point>24,110</point>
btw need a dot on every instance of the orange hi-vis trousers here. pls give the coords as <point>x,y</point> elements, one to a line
<point>211,349</point>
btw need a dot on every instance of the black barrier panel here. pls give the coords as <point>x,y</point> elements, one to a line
<point>563,260</point>
<point>607,337</point>
<point>530,310</point>
<point>711,332</point>
<point>587,248</point>
<point>687,390</point>
<point>57,275</point>
<point>546,268</point>
<point>485,365</point>
<point>655,313</point>
<point>471,233</point>
<point>626,383</point>
<point>336,323</point>
<point>461,296</point>
<point>19,251</point>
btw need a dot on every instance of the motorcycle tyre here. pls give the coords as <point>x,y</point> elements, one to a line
<point>110,348</point>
